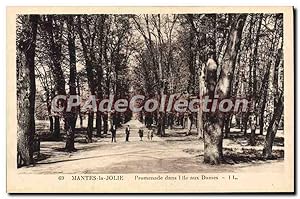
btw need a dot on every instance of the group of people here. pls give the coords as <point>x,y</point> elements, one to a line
<point>127,133</point>
<point>149,134</point>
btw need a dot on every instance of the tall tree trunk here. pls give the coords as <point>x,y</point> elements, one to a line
<point>250,81</point>
<point>227,123</point>
<point>278,107</point>
<point>51,122</point>
<point>272,128</point>
<point>70,118</point>
<point>201,42</point>
<point>200,124</point>
<point>254,82</point>
<point>245,123</point>
<point>80,115</point>
<point>261,114</point>
<point>49,113</point>
<point>213,136</point>
<point>162,83</point>
<point>90,61</point>
<point>53,30</point>
<point>99,124</point>
<point>90,126</point>
<point>56,131</point>
<point>105,123</point>
<point>100,73</point>
<point>265,81</point>
<point>212,147</point>
<point>26,89</point>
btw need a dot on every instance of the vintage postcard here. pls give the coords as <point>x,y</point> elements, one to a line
<point>150,100</point>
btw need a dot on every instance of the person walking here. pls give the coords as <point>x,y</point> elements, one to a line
<point>151,134</point>
<point>141,134</point>
<point>113,133</point>
<point>127,132</point>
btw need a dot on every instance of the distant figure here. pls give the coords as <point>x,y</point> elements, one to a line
<point>150,134</point>
<point>127,132</point>
<point>113,133</point>
<point>141,134</point>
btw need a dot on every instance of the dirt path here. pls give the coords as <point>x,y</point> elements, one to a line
<point>170,154</point>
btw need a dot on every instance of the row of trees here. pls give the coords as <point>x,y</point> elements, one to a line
<point>224,55</point>
<point>229,55</point>
<point>74,55</point>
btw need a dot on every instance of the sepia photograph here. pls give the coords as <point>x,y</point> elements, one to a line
<point>203,94</point>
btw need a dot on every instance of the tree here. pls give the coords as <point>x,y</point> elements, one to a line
<point>157,32</point>
<point>266,78</point>
<point>254,79</point>
<point>204,39</point>
<point>99,70</point>
<point>26,87</point>
<point>53,28</point>
<point>213,136</point>
<point>87,38</point>
<point>272,128</point>
<point>71,117</point>
<point>278,99</point>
